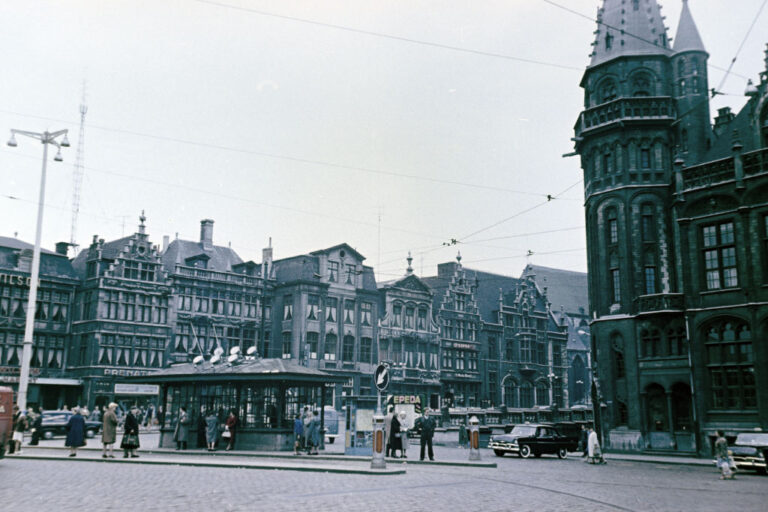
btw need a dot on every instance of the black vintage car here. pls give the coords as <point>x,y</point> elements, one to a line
<point>55,424</point>
<point>532,441</point>
<point>750,451</point>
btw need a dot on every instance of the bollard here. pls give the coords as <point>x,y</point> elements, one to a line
<point>474,438</point>
<point>379,443</point>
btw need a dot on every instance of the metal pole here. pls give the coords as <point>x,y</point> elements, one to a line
<point>26,354</point>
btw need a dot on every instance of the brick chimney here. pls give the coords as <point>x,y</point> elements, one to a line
<point>206,234</point>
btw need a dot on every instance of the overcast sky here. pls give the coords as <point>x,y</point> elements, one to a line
<point>317,123</point>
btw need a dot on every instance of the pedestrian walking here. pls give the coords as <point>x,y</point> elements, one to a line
<point>131,434</point>
<point>723,457</point>
<point>298,433</point>
<point>150,415</point>
<point>202,430</point>
<point>36,427</point>
<point>463,436</point>
<point>109,431</point>
<point>211,430</point>
<point>595,454</point>
<point>20,424</point>
<point>313,434</point>
<point>75,432</point>
<point>388,430</point>
<point>404,427</point>
<point>583,440</point>
<point>395,441</point>
<point>425,426</point>
<point>230,427</point>
<point>181,433</point>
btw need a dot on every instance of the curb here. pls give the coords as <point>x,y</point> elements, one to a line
<point>230,465</point>
<point>286,456</point>
<point>670,462</point>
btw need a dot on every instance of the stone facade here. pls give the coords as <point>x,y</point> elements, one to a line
<point>675,225</point>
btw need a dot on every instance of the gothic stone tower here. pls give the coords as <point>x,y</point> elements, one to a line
<point>642,101</point>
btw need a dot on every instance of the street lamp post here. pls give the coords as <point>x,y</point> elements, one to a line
<point>45,138</point>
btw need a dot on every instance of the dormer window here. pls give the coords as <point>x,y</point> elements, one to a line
<point>608,41</point>
<point>333,271</point>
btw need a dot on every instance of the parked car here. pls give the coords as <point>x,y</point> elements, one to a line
<point>750,451</point>
<point>55,424</point>
<point>532,441</point>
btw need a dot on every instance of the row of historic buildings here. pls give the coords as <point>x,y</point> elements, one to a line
<point>677,231</point>
<point>128,307</point>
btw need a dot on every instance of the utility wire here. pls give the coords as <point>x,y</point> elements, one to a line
<point>387,36</point>
<point>286,157</point>
<point>630,34</point>
<point>239,198</point>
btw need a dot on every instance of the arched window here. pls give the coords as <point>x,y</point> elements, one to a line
<point>510,393</point>
<point>730,364</point>
<point>684,140</point>
<point>622,413</point>
<point>682,419</point>
<point>578,380</point>
<point>677,341</point>
<point>651,342</point>
<point>608,91</point>
<point>681,67</point>
<point>648,223</point>
<point>542,393</point>
<point>612,226</point>
<point>617,350</point>
<point>657,408</point>
<point>642,84</point>
<point>526,395</point>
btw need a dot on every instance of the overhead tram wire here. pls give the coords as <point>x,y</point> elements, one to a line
<point>243,199</point>
<point>502,221</point>
<point>286,157</point>
<point>387,36</point>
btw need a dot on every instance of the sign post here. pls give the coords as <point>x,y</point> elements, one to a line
<point>381,379</point>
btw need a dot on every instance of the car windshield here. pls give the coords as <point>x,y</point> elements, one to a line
<point>523,431</point>
<point>752,439</point>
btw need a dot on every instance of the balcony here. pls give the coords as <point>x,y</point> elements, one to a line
<point>660,302</point>
<point>719,171</point>
<point>214,275</point>
<point>650,108</point>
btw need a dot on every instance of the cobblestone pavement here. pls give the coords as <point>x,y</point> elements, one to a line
<point>545,484</point>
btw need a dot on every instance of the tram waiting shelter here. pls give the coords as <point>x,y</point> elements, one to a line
<point>265,394</point>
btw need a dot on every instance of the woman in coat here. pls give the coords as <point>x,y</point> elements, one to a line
<point>593,448</point>
<point>75,432</point>
<point>313,434</point>
<point>181,434</point>
<point>231,427</point>
<point>211,430</point>
<point>36,427</point>
<point>395,442</point>
<point>109,431</point>
<point>131,436</point>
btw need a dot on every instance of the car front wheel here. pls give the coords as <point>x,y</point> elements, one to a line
<point>499,453</point>
<point>562,453</point>
<point>90,434</point>
<point>47,434</point>
<point>525,451</point>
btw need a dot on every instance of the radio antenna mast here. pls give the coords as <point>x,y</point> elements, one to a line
<point>77,175</point>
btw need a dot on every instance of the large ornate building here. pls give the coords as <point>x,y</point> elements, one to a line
<point>677,225</point>
<point>127,307</point>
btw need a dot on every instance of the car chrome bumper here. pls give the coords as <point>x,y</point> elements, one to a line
<point>507,447</point>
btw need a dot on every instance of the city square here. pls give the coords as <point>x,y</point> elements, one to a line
<point>274,246</point>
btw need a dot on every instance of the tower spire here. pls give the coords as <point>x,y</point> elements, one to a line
<point>633,27</point>
<point>687,38</point>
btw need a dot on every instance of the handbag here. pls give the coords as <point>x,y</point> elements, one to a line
<point>226,433</point>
